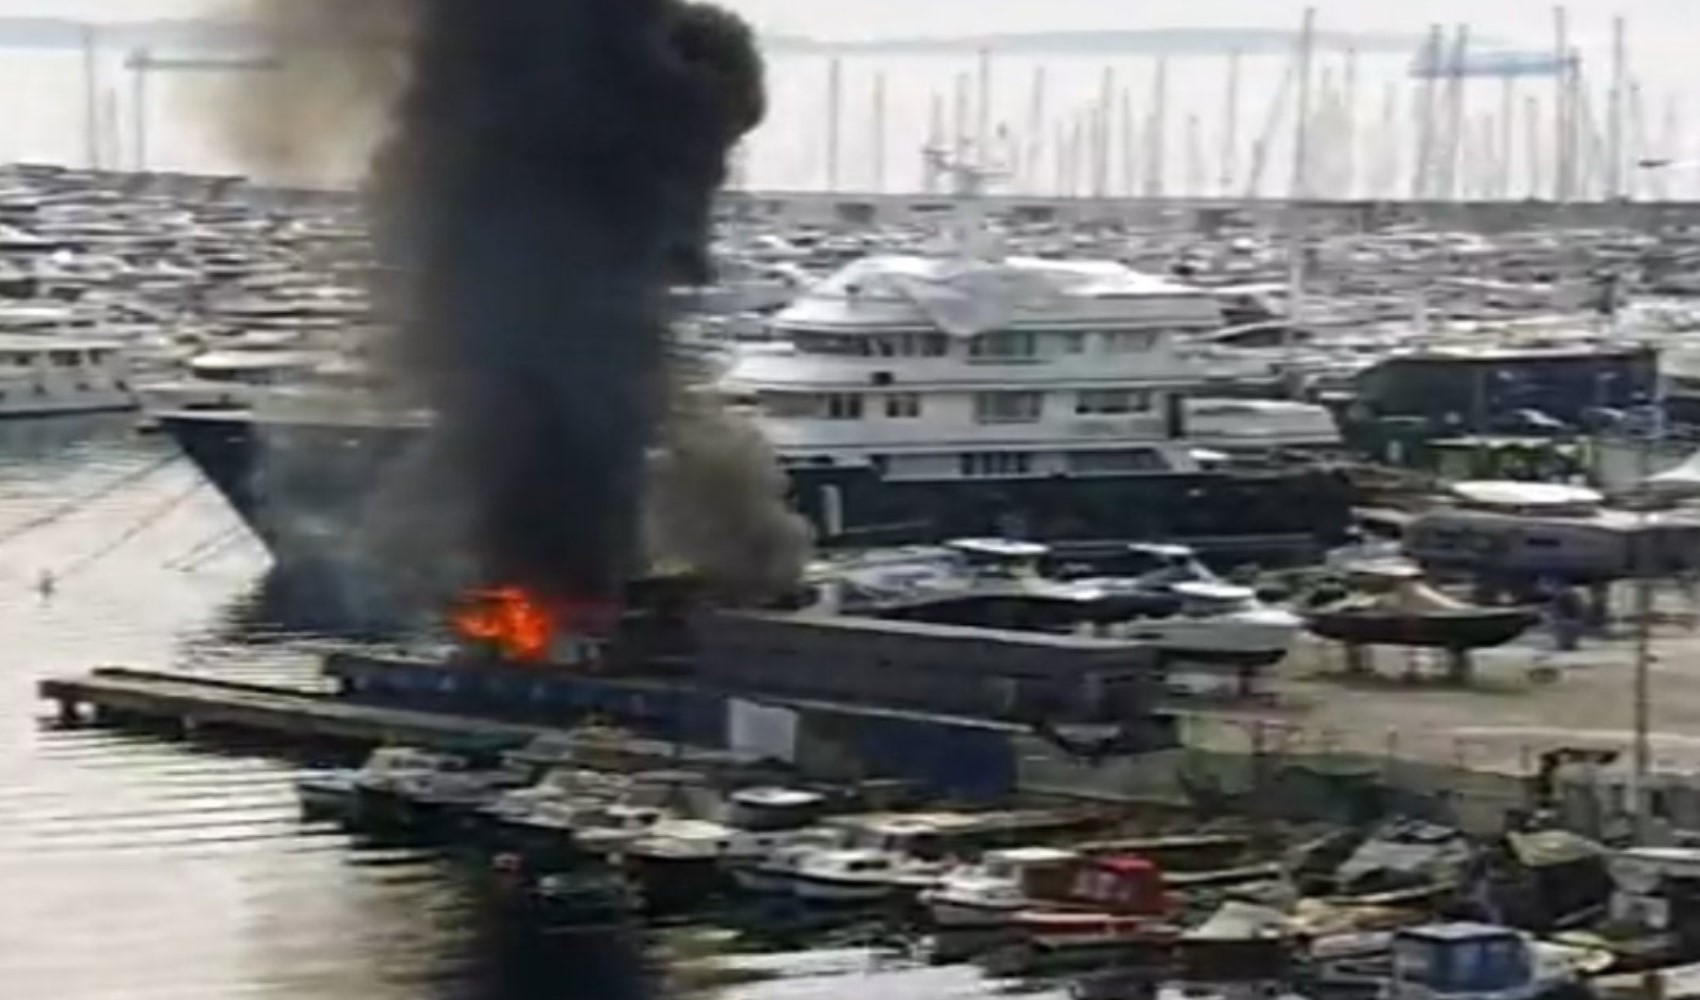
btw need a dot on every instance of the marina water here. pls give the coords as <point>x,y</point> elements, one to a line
<point>138,867</point>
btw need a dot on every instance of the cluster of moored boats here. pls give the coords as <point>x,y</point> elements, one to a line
<point>1033,894</point>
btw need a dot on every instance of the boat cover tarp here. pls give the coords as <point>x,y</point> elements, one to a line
<point>1406,854</point>
<point>1549,848</point>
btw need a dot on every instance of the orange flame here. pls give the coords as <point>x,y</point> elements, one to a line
<point>519,624</point>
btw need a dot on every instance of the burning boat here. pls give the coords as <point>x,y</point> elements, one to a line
<point>937,704</point>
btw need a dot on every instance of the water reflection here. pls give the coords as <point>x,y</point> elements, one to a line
<point>139,868</point>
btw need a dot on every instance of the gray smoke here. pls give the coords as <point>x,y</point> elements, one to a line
<point>718,503</point>
<point>548,175</point>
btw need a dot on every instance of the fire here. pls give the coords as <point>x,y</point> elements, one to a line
<point>520,625</point>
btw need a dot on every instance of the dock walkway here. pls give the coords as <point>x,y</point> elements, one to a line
<point>119,693</point>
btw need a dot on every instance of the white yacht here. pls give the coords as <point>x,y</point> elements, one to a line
<point>1018,396</point>
<point>42,375</point>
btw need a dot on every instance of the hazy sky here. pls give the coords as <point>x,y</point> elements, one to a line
<point>1657,23</point>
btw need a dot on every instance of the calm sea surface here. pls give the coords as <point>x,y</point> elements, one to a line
<point>134,868</point>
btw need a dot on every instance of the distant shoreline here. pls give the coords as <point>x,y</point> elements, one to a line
<point>41,32</point>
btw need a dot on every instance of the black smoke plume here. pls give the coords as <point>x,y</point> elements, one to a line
<point>548,174</point>
<point>550,178</point>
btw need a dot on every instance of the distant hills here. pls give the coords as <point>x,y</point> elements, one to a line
<point>209,34</point>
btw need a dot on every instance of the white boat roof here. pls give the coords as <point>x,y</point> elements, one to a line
<point>1162,549</point>
<point>965,296</point>
<point>15,342</point>
<point>1031,855</point>
<point>254,359</point>
<point>1209,590</point>
<point>1507,493</point>
<point>1007,548</point>
<point>776,798</point>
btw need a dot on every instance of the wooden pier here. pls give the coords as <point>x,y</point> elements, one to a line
<point>191,705</point>
<point>116,695</point>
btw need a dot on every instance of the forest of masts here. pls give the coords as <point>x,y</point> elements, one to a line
<point>1451,124</point>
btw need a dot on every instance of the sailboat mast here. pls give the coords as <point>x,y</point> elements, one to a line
<point>877,143</point>
<point>1231,127</point>
<point>1614,179</point>
<point>1563,113</point>
<point>834,112</point>
<point>983,110</point>
<point>1301,138</point>
<point>91,96</point>
<point>1035,144</point>
<point>1156,132</point>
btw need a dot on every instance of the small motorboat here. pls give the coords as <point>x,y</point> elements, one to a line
<point>356,794</point>
<point>991,892</point>
<point>774,872</point>
<point>861,876</point>
<point>1407,612</point>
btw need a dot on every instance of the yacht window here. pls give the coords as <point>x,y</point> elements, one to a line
<point>903,405</point>
<point>790,404</point>
<point>1099,402</point>
<point>1004,344</point>
<point>1129,341</point>
<point>1124,460</point>
<point>825,343</point>
<point>933,345</point>
<point>66,359</point>
<point>843,406</point>
<point>1072,343</point>
<point>1008,407</point>
<point>996,463</point>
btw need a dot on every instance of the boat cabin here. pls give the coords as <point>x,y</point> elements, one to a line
<point>1151,562</point>
<point>768,809</point>
<point>999,557</point>
<point>1203,599</point>
<point>1461,961</point>
<point>1658,889</point>
<point>1039,872</point>
<point>1122,884</point>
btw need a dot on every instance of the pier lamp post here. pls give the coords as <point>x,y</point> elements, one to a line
<point>1652,432</point>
